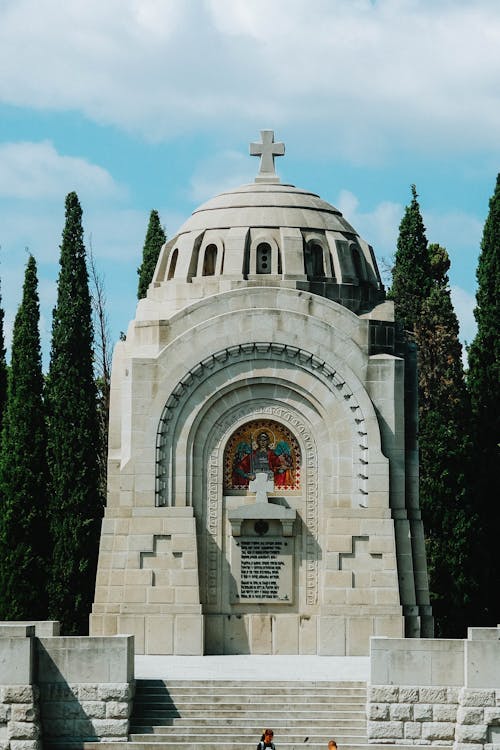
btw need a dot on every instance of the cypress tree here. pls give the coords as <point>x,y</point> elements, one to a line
<point>483,382</point>
<point>445,448</point>
<point>23,524</point>
<point>73,436</point>
<point>411,274</point>
<point>3,366</point>
<point>155,238</point>
<point>423,307</point>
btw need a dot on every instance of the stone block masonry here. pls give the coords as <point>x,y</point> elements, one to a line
<point>63,690</point>
<point>436,691</point>
<point>19,718</point>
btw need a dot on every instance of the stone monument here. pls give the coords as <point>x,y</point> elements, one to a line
<point>263,471</point>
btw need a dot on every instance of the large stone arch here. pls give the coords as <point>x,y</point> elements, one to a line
<point>225,371</point>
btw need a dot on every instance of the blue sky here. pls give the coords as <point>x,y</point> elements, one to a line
<point>141,104</point>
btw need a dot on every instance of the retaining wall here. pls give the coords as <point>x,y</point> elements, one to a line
<point>436,691</point>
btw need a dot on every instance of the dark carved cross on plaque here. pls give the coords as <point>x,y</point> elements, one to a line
<point>267,150</point>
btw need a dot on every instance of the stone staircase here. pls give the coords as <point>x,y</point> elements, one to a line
<point>186,714</point>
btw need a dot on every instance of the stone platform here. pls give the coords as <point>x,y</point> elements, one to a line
<point>254,667</point>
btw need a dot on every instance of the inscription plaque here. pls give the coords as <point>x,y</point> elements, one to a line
<point>263,569</point>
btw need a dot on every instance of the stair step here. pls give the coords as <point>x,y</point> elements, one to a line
<point>282,726</point>
<point>214,713</point>
<point>230,746</point>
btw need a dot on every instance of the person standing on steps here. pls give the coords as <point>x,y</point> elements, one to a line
<point>332,745</point>
<point>266,741</point>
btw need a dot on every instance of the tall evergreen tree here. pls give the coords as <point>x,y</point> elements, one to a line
<point>23,519</point>
<point>483,382</point>
<point>445,448</point>
<point>411,274</point>
<point>73,436</point>
<point>155,238</point>
<point>3,366</point>
<point>423,306</point>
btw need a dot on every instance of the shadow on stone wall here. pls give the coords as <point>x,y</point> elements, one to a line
<point>82,711</point>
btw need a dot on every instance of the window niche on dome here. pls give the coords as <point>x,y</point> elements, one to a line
<point>209,260</point>
<point>263,257</point>
<point>172,264</point>
<point>314,265</point>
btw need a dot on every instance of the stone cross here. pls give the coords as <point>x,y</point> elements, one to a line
<point>261,485</point>
<point>267,150</point>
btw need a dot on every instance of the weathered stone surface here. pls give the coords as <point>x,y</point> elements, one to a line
<point>400,712</point>
<point>438,730</point>
<point>5,710</point>
<point>470,715</point>
<point>25,745</point>
<point>470,697</point>
<point>22,730</point>
<point>492,715</point>
<point>465,746</point>
<point>444,712</point>
<point>94,709</point>
<point>378,711</point>
<point>422,712</point>
<point>390,730</point>
<point>88,692</point>
<point>452,694</point>
<point>408,695</point>
<point>24,712</point>
<point>18,694</point>
<point>110,727</point>
<point>471,732</point>
<point>114,692</point>
<point>384,694</point>
<point>432,695</point>
<point>412,730</point>
<point>118,710</point>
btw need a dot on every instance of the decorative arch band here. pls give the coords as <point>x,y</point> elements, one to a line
<point>246,352</point>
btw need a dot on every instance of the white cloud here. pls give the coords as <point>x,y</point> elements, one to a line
<point>379,227</point>
<point>220,172</point>
<point>363,75</point>
<point>37,171</point>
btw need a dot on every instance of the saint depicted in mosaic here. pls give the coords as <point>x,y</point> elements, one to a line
<point>262,446</point>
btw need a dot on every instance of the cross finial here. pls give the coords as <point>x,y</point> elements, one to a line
<point>261,485</point>
<point>267,150</point>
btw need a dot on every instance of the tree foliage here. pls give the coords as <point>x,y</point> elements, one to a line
<point>423,306</point>
<point>102,365</point>
<point>155,238</point>
<point>411,274</point>
<point>23,519</point>
<point>3,366</point>
<point>73,436</point>
<point>483,382</point>
<point>445,448</point>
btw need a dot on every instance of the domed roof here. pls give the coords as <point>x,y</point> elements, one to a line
<point>271,233</point>
<point>262,204</point>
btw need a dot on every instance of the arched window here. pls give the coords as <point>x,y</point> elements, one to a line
<point>313,261</point>
<point>263,258</point>
<point>209,260</point>
<point>173,263</point>
<point>358,266</point>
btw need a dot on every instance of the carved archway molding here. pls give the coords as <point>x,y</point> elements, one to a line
<point>252,351</point>
<point>222,429</point>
